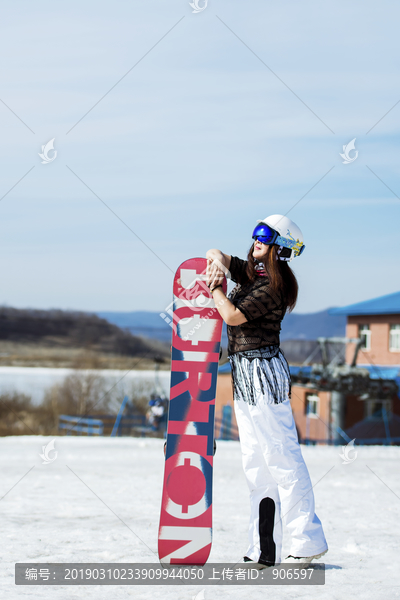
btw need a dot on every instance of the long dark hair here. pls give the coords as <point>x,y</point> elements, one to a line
<point>282,280</point>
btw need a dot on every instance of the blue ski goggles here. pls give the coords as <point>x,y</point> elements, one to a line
<point>266,235</point>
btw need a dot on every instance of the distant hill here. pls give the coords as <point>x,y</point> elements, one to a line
<point>295,326</point>
<point>58,338</point>
<point>57,328</point>
<point>141,323</point>
<point>310,326</point>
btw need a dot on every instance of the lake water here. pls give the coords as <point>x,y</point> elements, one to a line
<point>35,381</point>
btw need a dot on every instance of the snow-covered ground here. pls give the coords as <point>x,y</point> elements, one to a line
<point>99,501</point>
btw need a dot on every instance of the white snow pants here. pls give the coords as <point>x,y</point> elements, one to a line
<point>278,480</point>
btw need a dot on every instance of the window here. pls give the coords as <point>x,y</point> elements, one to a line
<point>312,409</point>
<point>394,338</point>
<point>374,409</point>
<point>364,333</point>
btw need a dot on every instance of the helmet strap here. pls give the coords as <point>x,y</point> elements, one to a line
<point>281,257</point>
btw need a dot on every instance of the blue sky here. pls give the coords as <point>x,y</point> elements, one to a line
<point>216,119</point>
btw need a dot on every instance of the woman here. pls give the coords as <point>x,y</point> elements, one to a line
<point>278,479</point>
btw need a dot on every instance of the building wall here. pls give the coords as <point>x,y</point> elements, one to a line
<point>317,428</point>
<point>224,395</point>
<point>314,426</point>
<point>354,411</point>
<point>379,326</point>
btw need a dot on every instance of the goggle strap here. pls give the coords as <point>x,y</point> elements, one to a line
<point>282,241</point>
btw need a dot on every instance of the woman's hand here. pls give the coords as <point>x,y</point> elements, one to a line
<point>215,275</point>
<point>217,265</point>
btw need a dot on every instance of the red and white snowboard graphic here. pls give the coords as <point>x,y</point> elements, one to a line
<point>185,532</point>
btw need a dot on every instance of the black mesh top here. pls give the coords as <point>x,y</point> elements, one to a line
<point>263,310</point>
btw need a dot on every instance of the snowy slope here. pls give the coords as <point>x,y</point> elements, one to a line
<point>99,501</point>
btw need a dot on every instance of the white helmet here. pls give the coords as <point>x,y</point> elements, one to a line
<point>288,236</point>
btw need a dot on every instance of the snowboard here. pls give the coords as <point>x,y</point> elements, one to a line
<point>185,531</point>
